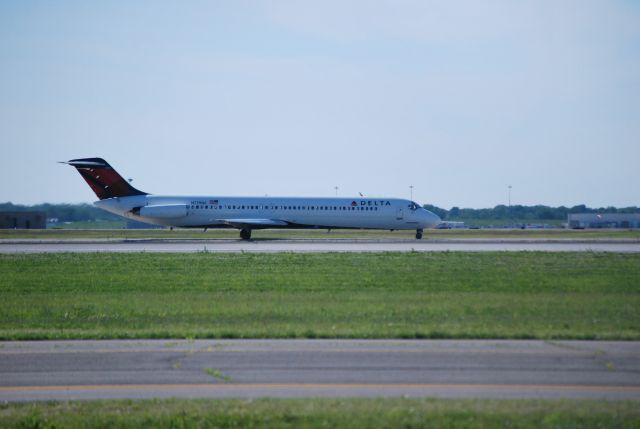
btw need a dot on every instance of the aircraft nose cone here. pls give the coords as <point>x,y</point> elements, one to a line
<point>430,219</point>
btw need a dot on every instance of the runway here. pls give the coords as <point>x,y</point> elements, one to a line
<point>71,370</point>
<point>324,245</point>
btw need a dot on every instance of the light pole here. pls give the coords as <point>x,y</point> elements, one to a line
<point>411,191</point>
<point>336,188</point>
<point>509,207</point>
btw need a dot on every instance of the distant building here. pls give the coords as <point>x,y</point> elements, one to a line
<point>445,224</point>
<point>604,220</point>
<point>23,220</point>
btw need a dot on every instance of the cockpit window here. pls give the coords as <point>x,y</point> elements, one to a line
<point>414,206</point>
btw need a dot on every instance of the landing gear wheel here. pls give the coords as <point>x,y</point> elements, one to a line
<point>418,234</point>
<point>245,234</point>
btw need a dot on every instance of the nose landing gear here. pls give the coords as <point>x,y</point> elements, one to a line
<point>245,234</point>
<point>418,234</point>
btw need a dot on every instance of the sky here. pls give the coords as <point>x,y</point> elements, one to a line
<point>459,99</point>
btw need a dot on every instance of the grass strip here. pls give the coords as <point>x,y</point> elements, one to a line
<point>329,295</point>
<point>323,413</point>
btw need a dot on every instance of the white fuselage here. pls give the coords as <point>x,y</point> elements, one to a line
<point>272,212</point>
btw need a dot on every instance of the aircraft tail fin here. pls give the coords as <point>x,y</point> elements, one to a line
<point>103,179</point>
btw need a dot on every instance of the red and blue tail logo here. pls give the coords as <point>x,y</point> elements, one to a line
<point>103,179</point>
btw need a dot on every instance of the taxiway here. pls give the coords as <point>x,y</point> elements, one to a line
<point>324,245</point>
<point>70,370</point>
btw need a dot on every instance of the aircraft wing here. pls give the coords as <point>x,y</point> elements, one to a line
<point>244,223</point>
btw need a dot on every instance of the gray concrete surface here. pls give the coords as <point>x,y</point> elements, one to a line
<point>61,370</point>
<point>344,245</point>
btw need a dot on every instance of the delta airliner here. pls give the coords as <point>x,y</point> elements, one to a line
<point>116,195</point>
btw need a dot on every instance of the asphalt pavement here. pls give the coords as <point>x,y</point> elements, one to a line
<point>69,370</point>
<point>325,245</point>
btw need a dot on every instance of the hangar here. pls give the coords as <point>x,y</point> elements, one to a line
<point>604,220</point>
<point>23,220</point>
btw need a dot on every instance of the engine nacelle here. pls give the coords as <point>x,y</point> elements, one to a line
<point>169,211</point>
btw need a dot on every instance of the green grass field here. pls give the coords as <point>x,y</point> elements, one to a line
<point>323,413</point>
<point>329,295</point>
<point>431,234</point>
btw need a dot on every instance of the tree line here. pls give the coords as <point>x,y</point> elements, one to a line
<point>88,212</point>
<point>63,212</point>
<point>519,212</point>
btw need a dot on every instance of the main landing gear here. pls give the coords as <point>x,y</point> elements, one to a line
<point>418,234</point>
<point>245,234</point>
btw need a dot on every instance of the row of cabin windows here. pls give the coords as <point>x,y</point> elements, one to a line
<point>238,207</point>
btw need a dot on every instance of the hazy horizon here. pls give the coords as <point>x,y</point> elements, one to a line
<point>459,99</point>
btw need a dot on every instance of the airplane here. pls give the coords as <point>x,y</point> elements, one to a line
<point>116,195</point>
